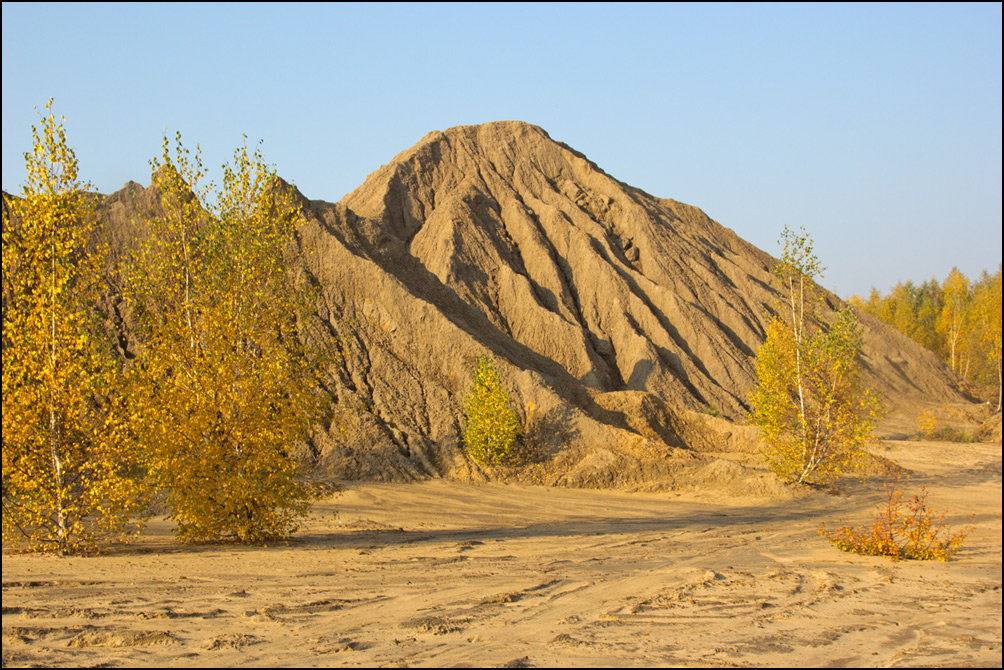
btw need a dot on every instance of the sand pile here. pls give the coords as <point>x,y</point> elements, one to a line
<point>617,318</point>
<point>619,321</point>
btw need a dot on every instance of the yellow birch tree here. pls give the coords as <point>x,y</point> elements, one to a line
<point>490,425</point>
<point>987,315</point>
<point>226,380</point>
<point>809,402</point>
<point>70,476</point>
<point>953,318</point>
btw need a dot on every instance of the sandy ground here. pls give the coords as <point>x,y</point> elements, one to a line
<point>442,573</point>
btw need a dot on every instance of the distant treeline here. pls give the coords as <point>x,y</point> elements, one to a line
<point>959,320</point>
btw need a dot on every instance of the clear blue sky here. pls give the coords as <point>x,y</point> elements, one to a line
<point>878,127</point>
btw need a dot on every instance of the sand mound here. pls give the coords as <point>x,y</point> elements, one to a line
<point>614,315</point>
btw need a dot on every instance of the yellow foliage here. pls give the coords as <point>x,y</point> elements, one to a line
<point>812,410</point>
<point>932,428</point>
<point>226,378</point>
<point>928,422</point>
<point>915,534</point>
<point>70,475</point>
<point>490,425</point>
<point>959,320</point>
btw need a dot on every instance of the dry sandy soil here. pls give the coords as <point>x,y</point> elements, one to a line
<point>443,573</point>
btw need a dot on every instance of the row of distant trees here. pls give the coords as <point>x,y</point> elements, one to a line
<point>958,319</point>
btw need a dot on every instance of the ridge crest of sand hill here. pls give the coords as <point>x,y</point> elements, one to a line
<point>617,319</point>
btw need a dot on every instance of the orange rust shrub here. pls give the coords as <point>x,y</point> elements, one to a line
<point>912,534</point>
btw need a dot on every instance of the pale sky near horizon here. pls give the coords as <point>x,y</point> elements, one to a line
<point>878,127</point>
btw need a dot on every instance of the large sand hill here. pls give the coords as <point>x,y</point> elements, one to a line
<point>447,573</point>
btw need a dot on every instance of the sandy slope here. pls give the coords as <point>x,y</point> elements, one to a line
<point>443,573</point>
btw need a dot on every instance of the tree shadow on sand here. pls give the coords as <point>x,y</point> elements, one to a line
<point>546,435</point>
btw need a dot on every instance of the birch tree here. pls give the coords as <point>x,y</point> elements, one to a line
<point>226,378</point>
<point>809,402</point>
<point>953,318</point>
<point>71,478</point>
<point>987,315</point>
<point>490,426</point>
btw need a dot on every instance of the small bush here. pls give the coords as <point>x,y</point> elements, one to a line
<point>914,534</point>
<point>931,428</point>
<point>950,434</point>
<point>490,425</point>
